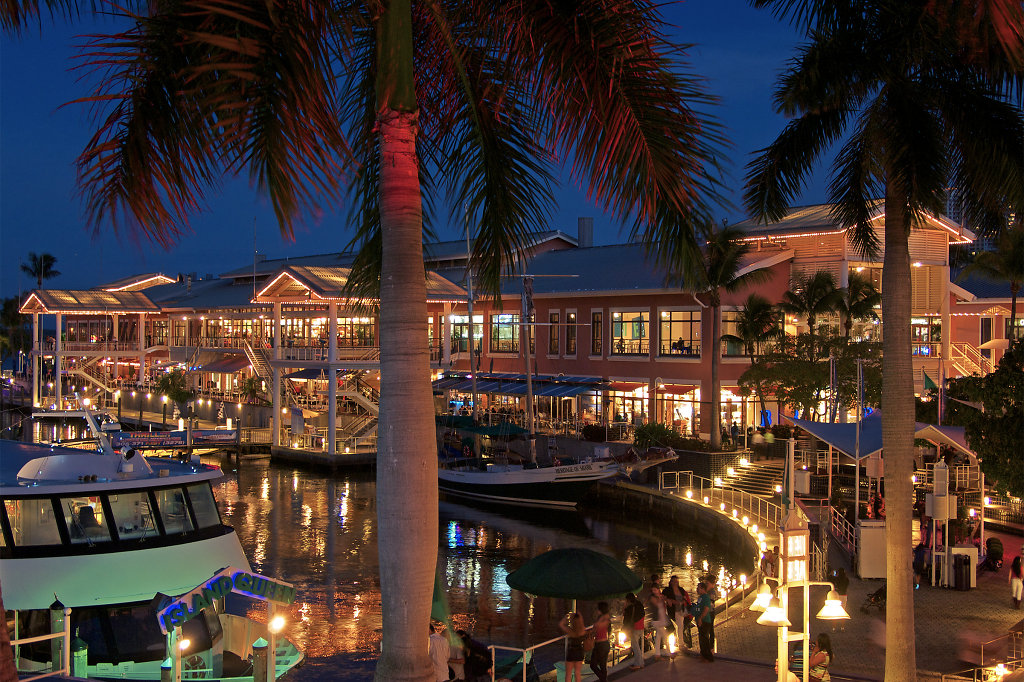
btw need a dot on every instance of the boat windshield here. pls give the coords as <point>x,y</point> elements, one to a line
<point>86,520</point>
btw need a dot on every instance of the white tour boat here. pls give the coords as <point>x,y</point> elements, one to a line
<point>117,537</point>
<point>562,485</point>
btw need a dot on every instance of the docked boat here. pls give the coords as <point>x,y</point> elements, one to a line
<point>560,485</point>
<point>117,537</point>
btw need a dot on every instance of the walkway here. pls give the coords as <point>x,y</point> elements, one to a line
<point>945,620</point>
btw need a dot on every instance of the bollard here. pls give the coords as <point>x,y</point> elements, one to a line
<point>56,626</point>
<point>166,670</point>
<point>259,660</point>
<point>79,657</point>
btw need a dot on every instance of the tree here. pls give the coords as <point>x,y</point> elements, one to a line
<point>401,102</point>
<point>810,297</point>
<point>14,334</point>
<point>758,324</point>
<point>40,267</point>
<point>916,93</point>
<point>1005,264</point>
<point>175,385</point>
<point>716,268</point>
<point>994,433</point>
<point>857,301</point>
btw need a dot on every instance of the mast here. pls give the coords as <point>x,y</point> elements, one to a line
<point>527,305</point>
<point>472,327</point>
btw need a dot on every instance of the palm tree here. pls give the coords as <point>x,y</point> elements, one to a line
<point>810,297</point>
<point>402,102</point>
<point>1005,264</point>
<point>857,301</point>
<point>894,82</point>
<point>40,267</point>
<point>717,268</point>
<point>757,324</point>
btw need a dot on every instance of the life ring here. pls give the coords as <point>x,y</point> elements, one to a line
<point>467,452</point>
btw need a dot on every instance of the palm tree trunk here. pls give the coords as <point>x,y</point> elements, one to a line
<point>716,383</point>
<point>898,440</point>
<point>406,461</point>
<point>1013,310</point>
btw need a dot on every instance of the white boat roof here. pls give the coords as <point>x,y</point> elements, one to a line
<point>34,469</point>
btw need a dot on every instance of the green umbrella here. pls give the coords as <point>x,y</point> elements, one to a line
<point>574,573</point>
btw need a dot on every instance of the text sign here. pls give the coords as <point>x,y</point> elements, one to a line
<point>142,440</point>
<point>188,606</point>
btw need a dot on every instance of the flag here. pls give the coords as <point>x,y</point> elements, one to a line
<point>929,385</point>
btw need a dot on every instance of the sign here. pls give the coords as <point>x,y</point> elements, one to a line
<point>188,606</point>
<point>144,440</point>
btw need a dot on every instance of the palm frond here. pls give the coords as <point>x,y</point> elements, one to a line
<point>856,181</point>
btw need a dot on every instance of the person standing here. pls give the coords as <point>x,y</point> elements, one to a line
<point>659,621</point>
<point>1016,580</point>
<point>574,628</point>
<point>633,621</point>
<point>599,655</point>
<point>440,652</point>
<point>706,622</point>
<point>679,610</point>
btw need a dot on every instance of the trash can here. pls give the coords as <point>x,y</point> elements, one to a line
<point>961,572</point>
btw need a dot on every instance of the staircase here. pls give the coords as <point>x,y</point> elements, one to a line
<point>757,478</point>
<point>259,358</point>
<point>366,397</point>
<point>968,360</point>
<point>91,372</point>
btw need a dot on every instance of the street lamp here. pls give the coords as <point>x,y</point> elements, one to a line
<point>794,550</point>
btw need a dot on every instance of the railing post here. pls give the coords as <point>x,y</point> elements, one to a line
<point>66,667</point>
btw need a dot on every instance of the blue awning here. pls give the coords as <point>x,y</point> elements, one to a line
<point>843,437</point>
<point>546,385</point>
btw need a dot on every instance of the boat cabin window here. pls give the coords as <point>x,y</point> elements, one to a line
<point>86,520</point>
<point>32,522</point>
<point>171,503</point>
<point>132,515</point>
<point>204,505</point>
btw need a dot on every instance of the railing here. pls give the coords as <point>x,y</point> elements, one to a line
<point>685,349</point>
<point>842,530</point>
<point>961,477</point>
<point>970,356</point>
<point>65,664</point>
<point>926,350</point>
<point>995,658</point>
<point>316,440</point>
<point>764,513</point>
<point>631,347</point>
<point>82,346</point>
<point>257,436</point>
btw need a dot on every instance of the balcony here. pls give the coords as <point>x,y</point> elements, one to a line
<point>631,347</point>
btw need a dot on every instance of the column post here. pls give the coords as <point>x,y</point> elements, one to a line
<point>276,382</point>
<point>446,335</point>
<point>35,359</point>
<point>142,346</point>
<point>332,378</point>
<point>947,330</point>
<point>58,361</point>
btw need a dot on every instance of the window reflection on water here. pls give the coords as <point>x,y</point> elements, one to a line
<point>321,536</point>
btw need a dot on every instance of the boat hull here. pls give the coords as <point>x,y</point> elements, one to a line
<point>562,486</point>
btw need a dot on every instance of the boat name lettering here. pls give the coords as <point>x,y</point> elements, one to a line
<point>574,467</point>
<point>190,605</point>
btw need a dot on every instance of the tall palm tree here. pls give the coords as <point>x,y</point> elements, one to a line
<point>917,111</point>
<point>757,324</point>
<point>40,267</point>
<point>401,101</point>
<point>718,267</point>
<point>810,297</point>
<point>1005,264</point>
<point>857,301</point>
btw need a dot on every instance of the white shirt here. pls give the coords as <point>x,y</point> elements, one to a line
<point>439,653</point>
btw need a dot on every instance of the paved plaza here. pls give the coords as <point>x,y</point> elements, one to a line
<point>945,620</point>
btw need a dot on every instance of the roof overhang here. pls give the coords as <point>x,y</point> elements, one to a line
<point>87,302</point>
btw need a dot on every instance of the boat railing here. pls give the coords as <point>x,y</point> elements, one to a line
<point>742,505</point>
<point>615,656</point>
<point>65,662</point>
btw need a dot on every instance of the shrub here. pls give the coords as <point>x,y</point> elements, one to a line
<point>595,433</point>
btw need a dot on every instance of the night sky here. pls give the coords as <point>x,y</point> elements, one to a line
<point>738,50</point>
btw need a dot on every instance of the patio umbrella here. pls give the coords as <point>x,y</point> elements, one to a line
<point>574,573</point>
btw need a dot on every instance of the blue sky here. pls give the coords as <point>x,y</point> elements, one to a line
<point>738,50</point>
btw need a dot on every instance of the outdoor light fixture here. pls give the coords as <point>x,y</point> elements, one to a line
<point>774,615</point>
<point>718,481</point>
<point>689,494</point>
<point>833,608</point>
<point>184,644</point>
<point>706,499</point>
<point>721,507</point>
<point>763,598</point>
<point>276,624</point>
<point>778,488</point>
<point>746,520</point>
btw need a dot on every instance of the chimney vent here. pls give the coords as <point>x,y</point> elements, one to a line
<point>585,237</point>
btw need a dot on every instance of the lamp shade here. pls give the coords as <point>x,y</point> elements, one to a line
<point>833,608</point>
<point>763,599</point>
<point>774,616</point>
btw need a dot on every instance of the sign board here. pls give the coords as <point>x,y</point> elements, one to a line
<point>143,440</point>
<point>189,605</point>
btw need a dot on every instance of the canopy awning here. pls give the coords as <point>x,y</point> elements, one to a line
<point>545,385</point>
<point>307,374</point>
<point>226,365</point>
<point>843,437</point>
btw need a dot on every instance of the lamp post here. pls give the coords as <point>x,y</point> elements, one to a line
<point>795,551</point>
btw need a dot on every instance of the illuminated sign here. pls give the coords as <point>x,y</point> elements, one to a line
<point>188,606</point>
<point>142,440</point>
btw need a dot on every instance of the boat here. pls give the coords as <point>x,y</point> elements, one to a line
<point>117,537</point>
<point>561,484</point>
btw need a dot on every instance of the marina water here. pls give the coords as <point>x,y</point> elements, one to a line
<point>319,532</point>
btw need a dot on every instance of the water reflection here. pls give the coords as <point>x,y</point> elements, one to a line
<point>320,534</point>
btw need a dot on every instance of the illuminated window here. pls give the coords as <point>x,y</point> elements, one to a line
<point>505,333</point>
<point>630,333</point>
<point>596,331</point>
<point>679,333</point>
<point>570,333</point>
<point>553,334</point>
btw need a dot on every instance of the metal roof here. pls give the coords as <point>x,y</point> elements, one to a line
<point>87,301</point>
<point>137,282</point>
<point>983,287</point>
<point>515,384</point>
<point>305,283</point>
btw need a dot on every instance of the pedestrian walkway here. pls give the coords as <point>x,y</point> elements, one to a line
<point>946,621</point>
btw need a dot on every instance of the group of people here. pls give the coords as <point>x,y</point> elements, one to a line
<point>467,660</point>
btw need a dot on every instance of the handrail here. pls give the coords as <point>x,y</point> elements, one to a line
<point>65,668</point>
<point>756,509</point>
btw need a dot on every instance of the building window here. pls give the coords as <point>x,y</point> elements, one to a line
<point>1017,333</point>
<point>679,333</point>
<point>925,336</point>
<point>460,332</point>
<point>596,333</point>
<point>570,333</point>
<point>505,333</point>
<point>629,333</point>
<point>553,334</point>
<point>730,327</point>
